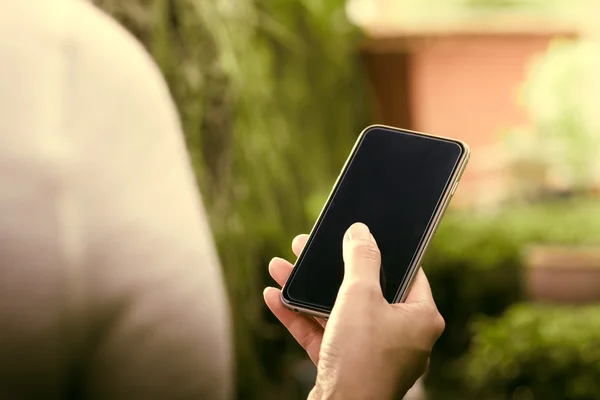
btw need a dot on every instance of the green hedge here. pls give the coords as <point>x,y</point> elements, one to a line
<point>535,352</point>
<point>475,268</point>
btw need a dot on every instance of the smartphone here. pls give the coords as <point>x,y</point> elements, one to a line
<point>397,182</point>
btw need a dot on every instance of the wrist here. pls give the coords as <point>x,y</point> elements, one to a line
<point>326,389</point>
<point>318,393</point>
<point>329,389</point>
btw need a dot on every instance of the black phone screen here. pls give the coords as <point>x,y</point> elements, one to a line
<point>394,183</point>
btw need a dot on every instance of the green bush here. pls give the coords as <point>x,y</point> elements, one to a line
<point>475,266</point>
<point>536,352</point>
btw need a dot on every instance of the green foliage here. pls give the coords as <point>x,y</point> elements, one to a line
<point>475,266</point>
<point>536,352</point>
<point>271,97</point>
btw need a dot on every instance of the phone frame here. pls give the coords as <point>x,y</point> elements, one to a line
<point>428,235</point>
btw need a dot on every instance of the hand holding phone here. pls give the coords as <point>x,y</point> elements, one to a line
<point>368,348</point>
<point>399,184</point>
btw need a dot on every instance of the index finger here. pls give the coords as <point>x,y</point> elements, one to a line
<point>420,291</point>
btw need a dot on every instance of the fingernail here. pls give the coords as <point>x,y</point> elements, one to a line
<point>266,290</point>
<point>358,231</point>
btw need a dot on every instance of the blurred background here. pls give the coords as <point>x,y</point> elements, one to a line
<point>273,94</point>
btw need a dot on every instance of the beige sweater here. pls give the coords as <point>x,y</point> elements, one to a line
<point>110,286</point>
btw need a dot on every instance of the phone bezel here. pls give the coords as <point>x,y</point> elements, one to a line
<point>315,311</point>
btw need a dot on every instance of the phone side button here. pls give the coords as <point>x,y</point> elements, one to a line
<point>453,188</point>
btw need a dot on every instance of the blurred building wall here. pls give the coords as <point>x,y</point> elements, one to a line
<point>465,86</point>
<point>457,82</point>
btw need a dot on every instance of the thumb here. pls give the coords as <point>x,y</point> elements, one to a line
<point>362,259</point>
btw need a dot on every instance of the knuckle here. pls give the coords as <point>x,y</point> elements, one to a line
<point>305,337</point>
<point>308,339</point>
<point>365,250</point>
<point>435,323</point>
<point>439,325</point>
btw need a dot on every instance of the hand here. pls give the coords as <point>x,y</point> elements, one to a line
<point>368,349</point>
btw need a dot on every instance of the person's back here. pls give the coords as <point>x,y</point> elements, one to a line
<point>110,286</point>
